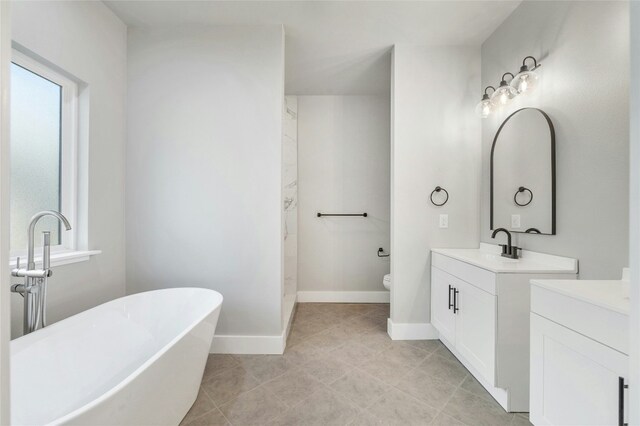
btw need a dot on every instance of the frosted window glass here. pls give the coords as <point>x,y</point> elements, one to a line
<point>35,154</point>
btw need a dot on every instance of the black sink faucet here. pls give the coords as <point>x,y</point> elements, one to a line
<point>507,249</point>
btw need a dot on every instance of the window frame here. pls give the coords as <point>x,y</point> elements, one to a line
<point>68,146</point>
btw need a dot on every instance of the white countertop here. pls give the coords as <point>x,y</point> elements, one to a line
<point>487,256</point>
<point>609,294</point>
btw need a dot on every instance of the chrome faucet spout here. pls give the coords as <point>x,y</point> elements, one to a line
<point>34,289</point>
<point>32,228</point>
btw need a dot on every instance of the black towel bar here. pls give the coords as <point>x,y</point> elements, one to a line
<point>342,214</point>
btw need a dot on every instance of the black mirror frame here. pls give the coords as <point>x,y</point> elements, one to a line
<point>553,170</point>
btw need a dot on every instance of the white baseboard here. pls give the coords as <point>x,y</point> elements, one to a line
<point>259,345</point>
<point>343,296</point>
<point>262,345</point>
<point>411,331</point>
<point>290,303</point>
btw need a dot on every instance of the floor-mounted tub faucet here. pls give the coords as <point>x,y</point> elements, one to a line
<point>34,289</point>
<point>507,249</point>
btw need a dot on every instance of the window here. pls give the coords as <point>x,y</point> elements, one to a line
<point>43,152</point>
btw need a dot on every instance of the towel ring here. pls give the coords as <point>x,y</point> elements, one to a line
<point>438,189</point>
<point>523,189</point>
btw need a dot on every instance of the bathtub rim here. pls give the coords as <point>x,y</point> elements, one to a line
<point>135,373</point>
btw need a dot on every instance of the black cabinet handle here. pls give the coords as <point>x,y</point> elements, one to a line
<point>455,300</point>
<point>621,388</point>
<point>450,304</point>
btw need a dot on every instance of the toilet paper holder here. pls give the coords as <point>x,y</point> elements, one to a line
<point>381,253</point>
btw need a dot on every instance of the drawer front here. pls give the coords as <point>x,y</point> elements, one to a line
<point>602,325</point>
<point>481,278</point>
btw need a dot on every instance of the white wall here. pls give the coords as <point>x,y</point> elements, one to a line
<point>204,168</point>
<point>584,87</point>
<point>436,141</point>
<point>343,163</point>
<point>87,41</point>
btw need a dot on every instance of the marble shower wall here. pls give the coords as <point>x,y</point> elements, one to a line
<point>290,194</point>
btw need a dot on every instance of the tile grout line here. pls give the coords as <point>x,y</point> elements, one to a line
<point>394,387</point>
<point>260,385</point>
<point>455,390</point>
<point>225,417</point>
<point>451,397</point>
<point>326,386</point>
<point>215,406</point>
<point>208,411</point>
<point>240,394</point>
<point>329,328</point>
<point>251,390</point>
<point>438,352</point>
<point>438,410</point>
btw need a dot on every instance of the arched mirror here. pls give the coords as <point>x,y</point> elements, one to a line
<point>523,174</point>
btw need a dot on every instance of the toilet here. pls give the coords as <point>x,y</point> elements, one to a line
<point>386,281</point>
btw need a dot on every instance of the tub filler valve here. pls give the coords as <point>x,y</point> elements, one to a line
<point>34,288</point>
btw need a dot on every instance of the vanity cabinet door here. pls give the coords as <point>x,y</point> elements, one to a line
<point>476,329</point>
<point>574,380</point>
<point>443,319</point>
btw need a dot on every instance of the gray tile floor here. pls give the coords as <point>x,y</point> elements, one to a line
<point>341,368</point>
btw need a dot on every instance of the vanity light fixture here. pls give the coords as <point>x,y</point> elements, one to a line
<point>523,82</point>
<point>527,79</point>
<point>484,107</point>
<point>504,93</point>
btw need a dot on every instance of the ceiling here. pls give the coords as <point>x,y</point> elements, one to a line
<point>335,47</point>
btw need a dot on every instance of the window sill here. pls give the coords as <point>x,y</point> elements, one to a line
<point>59,258</point>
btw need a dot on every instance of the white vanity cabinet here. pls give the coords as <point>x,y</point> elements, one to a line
<point>465,315</point>
<point>480,307</point>
<point>579,352</point>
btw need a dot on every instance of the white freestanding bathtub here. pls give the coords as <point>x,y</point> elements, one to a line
<point>137,360</point>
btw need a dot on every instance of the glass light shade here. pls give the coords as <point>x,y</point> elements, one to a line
<point>484,107</point>
<point>525,81</point>
<point>503,95</point>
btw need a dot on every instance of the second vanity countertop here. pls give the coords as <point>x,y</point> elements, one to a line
<point>598,309</point>
<point>609,294</point>
<point>487,256</point>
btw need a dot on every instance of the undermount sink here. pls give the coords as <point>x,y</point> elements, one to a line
<point>488,257</point>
